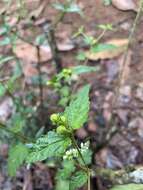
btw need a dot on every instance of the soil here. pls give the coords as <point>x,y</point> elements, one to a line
<point>125,147</point>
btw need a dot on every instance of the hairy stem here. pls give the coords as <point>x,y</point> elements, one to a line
<point>85,168</point>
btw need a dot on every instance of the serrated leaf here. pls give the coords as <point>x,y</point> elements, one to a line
<point>78,180</point>
<point>131,186</point>
<point>51,145</point>
<point>77,112</point>
<point>84,69</point>
<point>17,155</point>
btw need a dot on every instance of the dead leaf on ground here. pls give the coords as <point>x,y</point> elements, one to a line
<point>120,44</point>
<point>26,51</point>
<point>66,45</point>
<point>124,5</point>
<point>28,69</point>
<point>6,109</point>
<point>37,12</point>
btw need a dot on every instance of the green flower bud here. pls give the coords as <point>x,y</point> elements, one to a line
<point>62,130</point>
<point>67,72</point>
<point>49,83</point>
<point>63,119</point>
<point>54,117</point>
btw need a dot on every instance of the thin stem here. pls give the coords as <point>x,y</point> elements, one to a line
<point>40,76</point>
<point>100,36</point>
<point>126,52</point>
<point>89,180</point>
<point>85,168</point>
<point>76,146</point>
<point>20,136</point>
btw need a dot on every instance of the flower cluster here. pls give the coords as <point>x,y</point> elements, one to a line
<point>73,153</point>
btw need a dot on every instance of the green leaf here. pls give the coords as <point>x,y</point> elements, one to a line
<point>131,186</point>
<point>77,112</point>
<point>59,6</point>
<point>102,47</point>
<point>17,122</point>
<point>3,30</point>
<point>81,56</point>
<point>62,185</point>
<point>17,155</point>
<point>5,41</point>
<point>51,145</point>
<point>107,2</point>
<point>4,59</point>
<point>106,26</point>
<point>89,40</point>
<point>78,180</point>
<point>68,169</point>
<point>87,155</point>
<point>69,8</point>
<point>2,90</point>
<point>41,39</point>
<point>84,69</point>
<point>64,174</point>
<point>73,8</point>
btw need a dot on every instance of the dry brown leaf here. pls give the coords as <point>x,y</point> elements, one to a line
<point>28,69</point>
<point>124,5</point>
<point>121,45</point>
<point>26,51</point>
<point>37,12</point>
<point>66,45</point>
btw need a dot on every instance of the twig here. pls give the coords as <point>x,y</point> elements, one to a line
<point>39,76</point>
<point>117,91</point>
<point>130,174</point>
<point>49,31</point>
<point>50,35</point>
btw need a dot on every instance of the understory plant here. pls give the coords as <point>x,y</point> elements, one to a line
<point>60,145</point>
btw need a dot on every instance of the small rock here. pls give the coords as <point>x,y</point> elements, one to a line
<point>124,5</point>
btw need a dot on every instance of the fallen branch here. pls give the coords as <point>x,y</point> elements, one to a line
<point>130,174</point>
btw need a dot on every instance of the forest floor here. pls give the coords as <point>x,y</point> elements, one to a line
<point>126,146</point>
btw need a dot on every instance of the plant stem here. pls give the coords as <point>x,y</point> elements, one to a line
<point>89,180</point>
<point>100,36</point>
<point>76,146</point>
<point>117,91</point>
<point>85,168</point>
<point>20,136</point>
<point>40,76</point>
